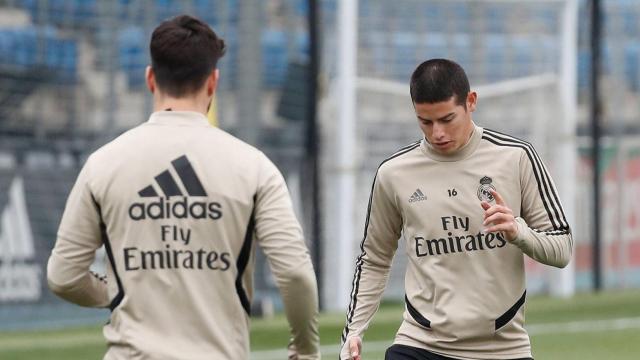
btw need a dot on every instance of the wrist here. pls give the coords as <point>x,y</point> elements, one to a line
<point>519,231</point>
<point>512,235</point>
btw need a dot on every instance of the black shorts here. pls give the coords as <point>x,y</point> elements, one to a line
<point>403,352</point>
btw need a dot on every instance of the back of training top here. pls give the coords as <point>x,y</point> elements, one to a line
<point>178,205</point>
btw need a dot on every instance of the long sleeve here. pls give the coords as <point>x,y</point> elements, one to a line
<point>382,231</point>
<point>79,236</point>
<point>280,237</point>
<point>543,231</point>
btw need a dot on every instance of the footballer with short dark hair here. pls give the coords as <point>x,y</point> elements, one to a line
<point>470,203</point>
<point>180,207</point>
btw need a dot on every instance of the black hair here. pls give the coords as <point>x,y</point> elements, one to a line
<point>184,52</point>
<point>438,80</point>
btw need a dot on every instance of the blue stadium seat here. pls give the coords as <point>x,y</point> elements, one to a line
<point>30,5</point>
<point>329,7</point>
<point>132,54</point>
<point>85,13</point>
<point>6,178</point>
<point>62,55</point>
<point>375,45</point>
<point>5,46</point>
<point>522,55</point>
<point>629,20</point>
<point>546,17</point>
<point>275,58</point>
<point>632,65</point>
<point>584,65</point>
<point>396,54</point>
<point>607,61</point>
<point>495,16</point>
<point>549,45</point>
<point>624,12</point>
<point>229,61</point>
<point>24,48</point>
<point>458,14</point>
<point>584,68</point>
<point>39,47</point>
<point>437,46</point>
<point>207,11</point>
<point>303,45</point>
<point>434,15</point>
<point>300,7</point>
<point>495,57</point>
<point>461,50</point>
<point>62,12</point>
<point>404,51</point>
<point>166,9</point>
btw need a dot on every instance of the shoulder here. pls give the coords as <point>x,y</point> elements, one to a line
<point>131,136</point>
<point>399,157</point>
<point>505,142</point>
<point>234,144</point>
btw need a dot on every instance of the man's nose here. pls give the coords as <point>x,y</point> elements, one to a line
<point>438,131</point>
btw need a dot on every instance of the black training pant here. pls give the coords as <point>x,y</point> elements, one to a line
<point>403,352</point>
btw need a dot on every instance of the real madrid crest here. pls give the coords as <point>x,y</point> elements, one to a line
<point>484,190</point>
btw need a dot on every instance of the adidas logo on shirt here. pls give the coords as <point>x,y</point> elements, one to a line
<point>165,207</point>
<point>417,196</point>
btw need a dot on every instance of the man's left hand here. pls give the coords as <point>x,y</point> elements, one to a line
<point>499,217</point>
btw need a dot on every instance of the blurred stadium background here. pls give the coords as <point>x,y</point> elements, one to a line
<point>72,78</point>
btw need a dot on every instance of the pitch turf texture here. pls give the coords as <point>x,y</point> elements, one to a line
<point>586,327</point>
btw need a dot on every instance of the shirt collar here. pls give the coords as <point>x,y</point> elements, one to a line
<point>461,154</point>
<point>178,118</point>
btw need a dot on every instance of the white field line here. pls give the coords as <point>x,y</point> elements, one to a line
<point>536,329</point>
<point>62,341</point>
<point>584,326</point>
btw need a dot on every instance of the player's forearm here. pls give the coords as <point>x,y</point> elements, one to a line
<point>551,248</point>
<point>371,279</point>
<point>75,283</point>
<point>300,296</point>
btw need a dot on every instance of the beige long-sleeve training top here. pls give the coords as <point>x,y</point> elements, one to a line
<point>180,206</point>
<point>465,289</point>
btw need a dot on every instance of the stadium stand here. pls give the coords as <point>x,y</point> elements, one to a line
<point>22,49</point>
<point>438,17</point>
<point>83,13</point>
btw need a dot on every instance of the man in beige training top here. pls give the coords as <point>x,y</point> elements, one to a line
<point>179,206</point>
<point>469,203</point>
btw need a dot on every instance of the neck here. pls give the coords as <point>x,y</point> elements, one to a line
<point>197,104</point>
<point>459,154</point>
<point>472,126</point>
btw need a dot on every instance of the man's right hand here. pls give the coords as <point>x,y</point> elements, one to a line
<point>355,348</point>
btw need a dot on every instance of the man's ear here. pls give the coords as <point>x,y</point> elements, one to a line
<point>472,101</point>
<point>150,76</point>
<point>212,82</point>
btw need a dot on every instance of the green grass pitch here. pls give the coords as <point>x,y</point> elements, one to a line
<point>585,327</point>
